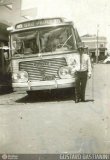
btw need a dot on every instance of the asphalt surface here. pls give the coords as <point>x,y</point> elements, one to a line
<point>52,122</point>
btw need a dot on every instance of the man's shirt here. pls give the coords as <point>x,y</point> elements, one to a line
<point>80,62</point>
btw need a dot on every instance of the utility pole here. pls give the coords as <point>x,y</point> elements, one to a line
<point>97,48</point>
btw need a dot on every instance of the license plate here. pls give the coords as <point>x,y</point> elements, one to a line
<point>46,78</point>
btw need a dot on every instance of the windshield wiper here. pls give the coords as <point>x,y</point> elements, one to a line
<point>66,40</point>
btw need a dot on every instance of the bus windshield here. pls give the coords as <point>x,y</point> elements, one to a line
<point>51,39</point>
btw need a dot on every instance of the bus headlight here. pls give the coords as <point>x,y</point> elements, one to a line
<point>65,72</point>
<point>21,76</point>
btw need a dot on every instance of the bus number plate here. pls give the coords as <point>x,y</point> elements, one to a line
<point>46,78</point>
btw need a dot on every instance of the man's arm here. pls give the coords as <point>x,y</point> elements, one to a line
<point>89,67</point>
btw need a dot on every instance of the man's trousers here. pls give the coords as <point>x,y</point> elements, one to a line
<point>80,85</point>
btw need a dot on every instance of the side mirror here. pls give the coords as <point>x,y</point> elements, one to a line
<point>6,55</point>
<point>5,48</point>
<point>5,51</point>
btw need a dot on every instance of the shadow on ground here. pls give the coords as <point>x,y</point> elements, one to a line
<point>48,96</point>
<point>89,100</point>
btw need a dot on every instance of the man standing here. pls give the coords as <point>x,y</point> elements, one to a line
<point>83,72</point>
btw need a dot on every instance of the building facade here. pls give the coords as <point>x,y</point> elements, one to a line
<point>97,46</point>
<point>10,12</point>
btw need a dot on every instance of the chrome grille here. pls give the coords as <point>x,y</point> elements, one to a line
<point>45,69</point>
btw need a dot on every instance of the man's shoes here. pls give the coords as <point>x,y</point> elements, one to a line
<point>82,100</point>
<point>77,100</point>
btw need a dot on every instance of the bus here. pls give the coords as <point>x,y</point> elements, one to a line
<point>42,52</point>
<point>5,74</point>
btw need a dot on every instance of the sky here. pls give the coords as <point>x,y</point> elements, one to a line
<point>87,15</point>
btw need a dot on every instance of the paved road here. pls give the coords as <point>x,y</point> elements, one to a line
<point>53,123</point>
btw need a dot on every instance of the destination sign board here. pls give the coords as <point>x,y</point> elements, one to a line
<point>38,22</point>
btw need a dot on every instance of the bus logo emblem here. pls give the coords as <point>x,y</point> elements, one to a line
<point>42,64</point>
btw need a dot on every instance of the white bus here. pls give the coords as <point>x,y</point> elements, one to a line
<point>42,52</point>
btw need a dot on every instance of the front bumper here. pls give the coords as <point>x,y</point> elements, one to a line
<point>44,85</point>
